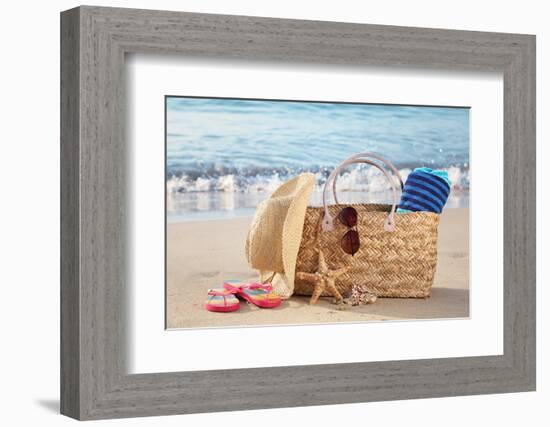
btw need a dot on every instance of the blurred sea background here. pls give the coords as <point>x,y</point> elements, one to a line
<point>224,156</point>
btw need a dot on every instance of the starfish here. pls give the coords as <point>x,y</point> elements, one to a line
<point>323,280</point>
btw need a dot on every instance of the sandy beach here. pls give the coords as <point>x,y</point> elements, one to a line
<point>201,254</point>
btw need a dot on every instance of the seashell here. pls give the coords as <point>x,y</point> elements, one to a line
<point>360,295</point>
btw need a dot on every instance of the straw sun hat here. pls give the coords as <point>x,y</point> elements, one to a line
<point>276,232</point>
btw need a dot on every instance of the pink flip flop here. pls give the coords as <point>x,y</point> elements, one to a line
<point>221,300</point>
<point>255,293</point>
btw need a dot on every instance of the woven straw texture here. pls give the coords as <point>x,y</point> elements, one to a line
<point>399,264</point>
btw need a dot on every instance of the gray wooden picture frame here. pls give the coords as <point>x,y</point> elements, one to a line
<point>94,381</point>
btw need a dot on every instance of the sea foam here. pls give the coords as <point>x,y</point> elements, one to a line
<point>358,179</point>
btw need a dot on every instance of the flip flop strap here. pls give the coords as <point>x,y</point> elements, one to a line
<point>219,293</point>
<point>252,286</point>
<point>263,286</point>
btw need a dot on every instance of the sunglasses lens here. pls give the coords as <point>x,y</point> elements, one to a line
<point>348,217</point>
<point>350,242</point>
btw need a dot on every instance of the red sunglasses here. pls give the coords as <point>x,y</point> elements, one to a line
<point>350,241</point>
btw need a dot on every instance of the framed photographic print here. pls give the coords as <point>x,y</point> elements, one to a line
<point>349,208</point>
<point>225,156</point>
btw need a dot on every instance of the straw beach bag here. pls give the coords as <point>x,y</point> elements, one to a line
<point>397,255</point>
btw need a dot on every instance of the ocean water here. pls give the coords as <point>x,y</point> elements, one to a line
<point>224,156</point>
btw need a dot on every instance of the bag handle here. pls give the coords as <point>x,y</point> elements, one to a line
<point>368,162</point>
<point>389,223</point>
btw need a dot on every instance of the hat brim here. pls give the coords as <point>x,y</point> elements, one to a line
<point>293,226</point>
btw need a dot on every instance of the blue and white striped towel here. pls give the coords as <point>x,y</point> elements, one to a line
<point>425,190</point>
